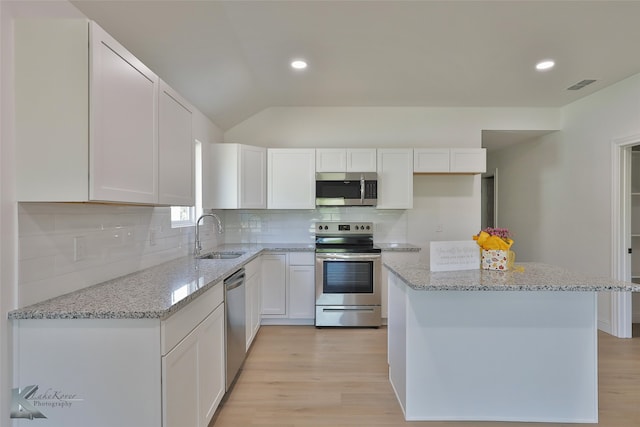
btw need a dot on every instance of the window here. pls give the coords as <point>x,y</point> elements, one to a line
<point>185,216</point>
<point>182,216</point>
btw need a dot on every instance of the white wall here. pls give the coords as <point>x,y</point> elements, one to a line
<point>7,284</point>
<point>447,202</point>
<point>555,191</point>
<point>384,126</point>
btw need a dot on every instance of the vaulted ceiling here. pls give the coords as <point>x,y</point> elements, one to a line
<point>231,58</point>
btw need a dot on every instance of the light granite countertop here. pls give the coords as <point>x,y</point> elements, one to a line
<point>530,277</point>
<point>156,292</point>
<point>397,247</point>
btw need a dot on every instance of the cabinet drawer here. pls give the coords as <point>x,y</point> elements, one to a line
<point>302,258</point>
<point>178,326</point>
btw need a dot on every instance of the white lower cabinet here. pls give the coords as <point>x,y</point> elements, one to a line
<point>211,365</point>
<point>126,372</point>
<point>274,284</point>
<point>180,374</point>
<point>288,288</point>
<point>253,301</point>
<point>193,370</point>
<point>302,295</point>
<point>193,375</point>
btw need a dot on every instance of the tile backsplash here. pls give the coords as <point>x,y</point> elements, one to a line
<point>285,226</point>
<point>68,246</point>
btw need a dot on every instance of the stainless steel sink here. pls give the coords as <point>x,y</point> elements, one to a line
<point>221,255</point>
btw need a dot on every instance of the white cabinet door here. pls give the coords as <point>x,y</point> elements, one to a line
<point>274,284</point>
<point>291,179</point>
<point>431,160</point>
<point>361,160</point>
<point>331,160</point>
<point>256,305</point>
<point>395,178</point>
<point>179,384</point>
<point>123,124</point>
<point>193,374</point>
<point>252,308</point>
<point>449,160</point>
<point>253,177</point>
<point>302,297</point>
<point>175,150</point>
<point>346,160</point>
<point>211,365</point>
<point>468,160</point>
<point>391,256</point>
<point>237,177</point>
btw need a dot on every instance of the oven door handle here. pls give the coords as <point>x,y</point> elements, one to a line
<point>347,256</point>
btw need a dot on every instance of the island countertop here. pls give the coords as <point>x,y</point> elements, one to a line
<point>525,277</point>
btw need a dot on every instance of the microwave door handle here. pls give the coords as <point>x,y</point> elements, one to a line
<point>362,189</point>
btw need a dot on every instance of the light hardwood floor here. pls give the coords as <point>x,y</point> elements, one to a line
<point>307,377</point>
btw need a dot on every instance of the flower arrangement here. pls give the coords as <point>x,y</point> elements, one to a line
<point>495,244</point>
<point>494,239</point>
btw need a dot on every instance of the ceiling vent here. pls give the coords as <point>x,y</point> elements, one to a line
<point>580,85</point>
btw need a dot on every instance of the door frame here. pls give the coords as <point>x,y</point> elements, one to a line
<point>492,174</point>
<point>621,308</point>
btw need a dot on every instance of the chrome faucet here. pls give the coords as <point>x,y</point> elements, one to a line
<point>198,244</point>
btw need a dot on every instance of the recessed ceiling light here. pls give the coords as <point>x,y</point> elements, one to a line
<point>547,64</point>
<point>299,64</point>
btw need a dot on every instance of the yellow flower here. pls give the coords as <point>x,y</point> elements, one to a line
<point>489,242</point>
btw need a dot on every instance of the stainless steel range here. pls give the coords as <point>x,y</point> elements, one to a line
<point>348,269</point>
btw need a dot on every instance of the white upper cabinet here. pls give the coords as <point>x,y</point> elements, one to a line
<point>176,150</point>
<point>361,160</point>
<point>431,160</point>
<point>468,160</point>
<point>331,160</point>
<point>346,160</point>
<point>237,177</point>
<point>450,160</point>
<point>395,178</point>
<point>86,116</point>
<point>123,123</point>
<point>291,178</point>
<point>96,125</point>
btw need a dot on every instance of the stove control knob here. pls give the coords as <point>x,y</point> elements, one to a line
<point>326,227</point>
<point>368,227</point>
<point>357,227</point>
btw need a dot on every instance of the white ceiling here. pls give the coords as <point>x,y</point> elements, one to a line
<point>231,58</point>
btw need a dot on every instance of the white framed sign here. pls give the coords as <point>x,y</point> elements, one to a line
<point>454,255</point>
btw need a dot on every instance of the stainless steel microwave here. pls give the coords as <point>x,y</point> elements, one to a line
<point>346,189</point>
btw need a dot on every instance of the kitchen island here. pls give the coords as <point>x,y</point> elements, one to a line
<point>483,345</point>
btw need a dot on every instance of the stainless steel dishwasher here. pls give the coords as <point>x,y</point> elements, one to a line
<point>235,350</point>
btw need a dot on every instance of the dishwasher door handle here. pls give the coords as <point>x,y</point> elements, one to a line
<point>234,285</point>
